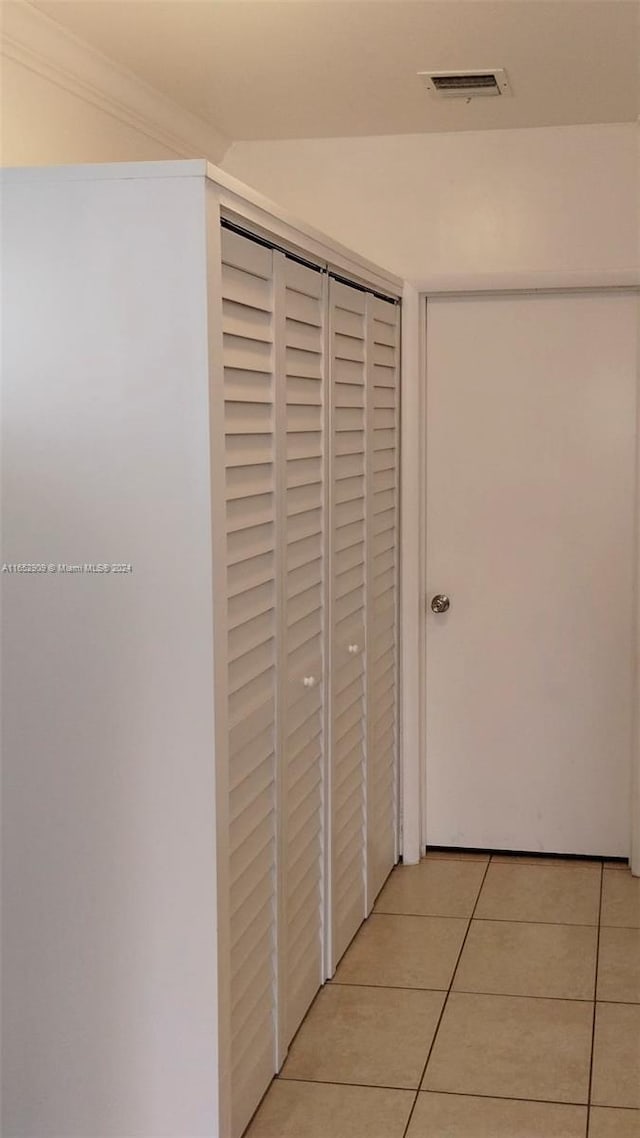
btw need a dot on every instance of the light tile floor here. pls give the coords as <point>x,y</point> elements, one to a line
<point>485,997</point>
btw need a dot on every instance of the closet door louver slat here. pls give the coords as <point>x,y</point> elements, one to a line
<point>382,590</point>
<point>301,293</point>
<point>347,307</point>
<point>248,333</point>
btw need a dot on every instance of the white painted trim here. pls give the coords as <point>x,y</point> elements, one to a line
<point>279,459</point>
<point>635,754</point>
<point>369,895</point>
<point>445,283</point>
<point>397,847</point>
<point>105,171</point>
<point>412,511</point>
<point>327,617</point>
<point>42,45</point>
<point>213,270</point>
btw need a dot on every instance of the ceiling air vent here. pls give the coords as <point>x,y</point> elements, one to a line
<point>466,84</point>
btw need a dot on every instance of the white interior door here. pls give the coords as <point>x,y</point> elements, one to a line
<point>530,501</point>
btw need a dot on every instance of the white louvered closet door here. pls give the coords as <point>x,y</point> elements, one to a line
<point>248,326</point>
<point>348,578</point>
<point>300,352</point>
<point>309,515</point>
<point>383,390</point>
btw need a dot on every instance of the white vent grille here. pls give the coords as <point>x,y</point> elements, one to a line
<point>492,81</point>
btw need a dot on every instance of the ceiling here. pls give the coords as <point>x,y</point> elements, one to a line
<point>274,69</point>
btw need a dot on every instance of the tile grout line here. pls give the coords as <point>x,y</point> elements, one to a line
<point>597,925</point>
<point>498,920</point>
<point>595,1003</point>
<point>452,1094</point>
<point>445,1002</point>
<point>473,992</point>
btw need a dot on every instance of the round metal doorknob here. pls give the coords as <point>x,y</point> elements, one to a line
<point>353,649</point>
<point>309,681</point>
<point>440,603</point>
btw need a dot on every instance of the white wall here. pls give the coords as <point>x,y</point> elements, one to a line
<point>465,210</point>
<point>440,207</point>
<point>109,872</point>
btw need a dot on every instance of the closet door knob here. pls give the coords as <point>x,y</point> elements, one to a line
<point>309,681</point>
<point>353,649</point>
<point>440,603</point>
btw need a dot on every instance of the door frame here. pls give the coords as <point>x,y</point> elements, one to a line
<point>413,751</point>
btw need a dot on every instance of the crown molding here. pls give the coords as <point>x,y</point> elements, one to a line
<point>42,45</point>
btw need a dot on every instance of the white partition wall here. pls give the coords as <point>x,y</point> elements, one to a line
<point>200,771</point>
<point>110,1001</point>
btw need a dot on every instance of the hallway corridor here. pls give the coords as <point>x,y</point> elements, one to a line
<point>464,1008</point>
